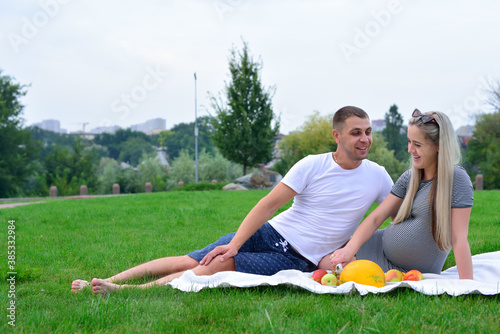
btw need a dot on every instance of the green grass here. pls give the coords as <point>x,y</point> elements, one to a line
<point>61,240</point>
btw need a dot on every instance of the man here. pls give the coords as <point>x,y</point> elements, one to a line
<point>331,192</point>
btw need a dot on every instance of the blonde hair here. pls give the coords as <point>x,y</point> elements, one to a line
<point>440,133</point>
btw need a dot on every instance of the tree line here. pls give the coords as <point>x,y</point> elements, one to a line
<point>128,158</point>
<point>242,135</point>
<point>239,137</point>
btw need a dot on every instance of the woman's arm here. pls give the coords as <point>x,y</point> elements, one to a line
<point>459,231</point>
<point>267,206</point>
<point>388,208</point>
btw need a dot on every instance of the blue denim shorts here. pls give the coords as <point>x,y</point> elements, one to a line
<point>265,253</point>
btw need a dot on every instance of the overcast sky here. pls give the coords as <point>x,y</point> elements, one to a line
<point>124,62</point>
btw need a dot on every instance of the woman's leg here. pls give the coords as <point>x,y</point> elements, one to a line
<point>105,285</point>
<point>159,268</point>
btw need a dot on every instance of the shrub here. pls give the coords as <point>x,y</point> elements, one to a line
<point>130,181</point>
<point>151,170</point>
<point>210,168</point>
<point>109,171</point>
<point>201,186</point>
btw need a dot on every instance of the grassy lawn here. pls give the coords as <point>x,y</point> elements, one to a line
<point>62,240</point>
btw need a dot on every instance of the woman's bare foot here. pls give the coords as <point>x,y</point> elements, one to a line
<point>103,287</point>
<point>79,285</point>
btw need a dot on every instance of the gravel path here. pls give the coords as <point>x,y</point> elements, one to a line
<point>12,205</point>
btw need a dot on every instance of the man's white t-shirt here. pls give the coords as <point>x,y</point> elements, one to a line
<point>330,204</point>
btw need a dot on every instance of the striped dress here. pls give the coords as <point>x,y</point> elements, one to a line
<point>409,244</point>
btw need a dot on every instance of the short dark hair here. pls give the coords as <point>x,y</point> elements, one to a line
<point>344,113</point>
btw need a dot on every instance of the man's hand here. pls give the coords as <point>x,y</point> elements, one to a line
<point>342,256</point>
<point>225,251</point>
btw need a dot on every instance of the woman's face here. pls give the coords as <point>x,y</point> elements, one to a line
<point>424,153</point>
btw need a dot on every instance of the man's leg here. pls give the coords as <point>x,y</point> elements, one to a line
<point>104,285</point>
<point>326,264</point>
<point>159,268</point>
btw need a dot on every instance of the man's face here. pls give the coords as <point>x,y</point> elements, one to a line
<point>355,139</point>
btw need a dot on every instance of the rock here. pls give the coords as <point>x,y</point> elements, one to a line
<point>234,186</point>
<point>260,180</point>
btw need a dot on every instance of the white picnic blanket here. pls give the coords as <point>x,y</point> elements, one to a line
<point>486,281</point>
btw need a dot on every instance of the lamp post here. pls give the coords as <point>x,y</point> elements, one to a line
<point>195,128</point>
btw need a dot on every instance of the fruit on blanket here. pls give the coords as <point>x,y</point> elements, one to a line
<point>318,274</point>
<point>329,279</point>
<point>393,275</point>
<point>363,272</point>
<point>413,275</point>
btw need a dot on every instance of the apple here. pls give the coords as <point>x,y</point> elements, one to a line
<point>413,275</point>
<point>329,279</point>
<point>393,275</point>
<point>318,274</point>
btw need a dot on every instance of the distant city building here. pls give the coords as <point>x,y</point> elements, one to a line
<point>105,129</point>
<point>378,124</point>
<point>50,125</point>
<point>465,133</point>
<point>150,127</point>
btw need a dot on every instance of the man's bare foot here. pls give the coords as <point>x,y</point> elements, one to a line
<point>79,285</point>
<point>103,287</point>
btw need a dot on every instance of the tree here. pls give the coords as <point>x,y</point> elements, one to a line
<point>17,149</point>
<point>130,181</point>
<point>244,131</point>
<point>115,142</point>
<point>218,168</point>
<point>483,151</point>
<point>212,167</point>
<point>380,154</point>
<point>313,137</point>
<point>69,168</point>
<point>151,170</point>
<point>183,169</point>
<point>181,137</point>
<point>395,133</point>
<point>494,98</point>
<point>132,150</point>
<point>109,170</point>
<point>49,138</point>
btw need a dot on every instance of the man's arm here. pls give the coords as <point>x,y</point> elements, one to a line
<point>267,206</point>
